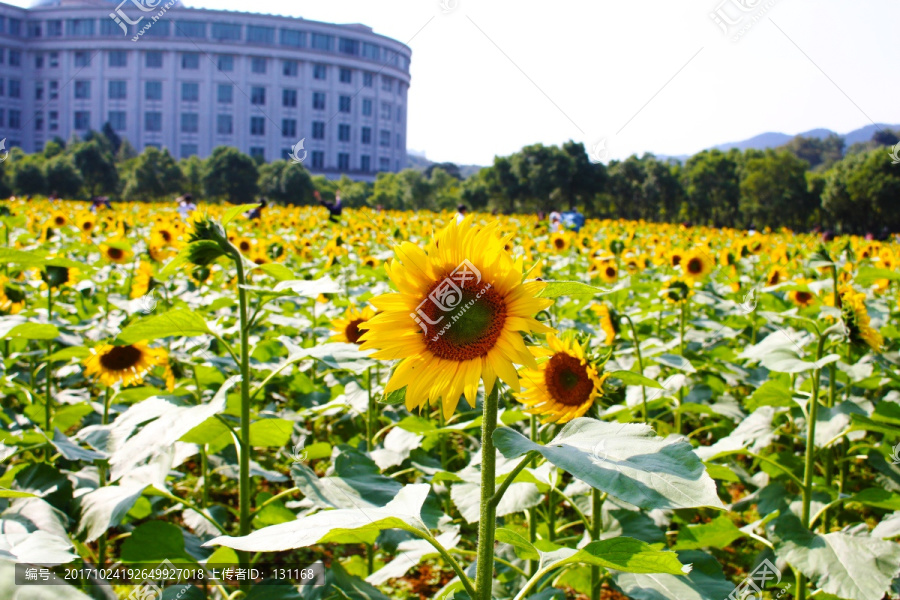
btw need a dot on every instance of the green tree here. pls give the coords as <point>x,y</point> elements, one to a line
<point>861,191</point>
<point>286,182</point>
<point>63,178</point>
<point>52,148</point>
<point>192,175</point>
<point>774,191</point>
<point>27,173</point>
<point>98,168</point>
<point>711,183</point>
<point>155,175</point>
<point>230,175</point>
<point>126,152</point>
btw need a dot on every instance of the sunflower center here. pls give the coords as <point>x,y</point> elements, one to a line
<point>610,271</point>
<point>119,358</point>
<point>804,297</point>
<point>115,253</point>
<point>353,332</point>
<point>468,329</point>
<point>694,266</point>
<point>60,221</point>
<point>567,380</point>
<point>559,243</point>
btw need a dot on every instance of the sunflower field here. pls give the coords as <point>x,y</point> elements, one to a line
<point>417,405</point>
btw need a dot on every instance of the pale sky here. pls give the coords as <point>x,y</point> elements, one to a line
<point>491,76</point>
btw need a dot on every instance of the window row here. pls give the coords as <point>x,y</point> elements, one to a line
<point>12,56</point>
<point>216,31</point>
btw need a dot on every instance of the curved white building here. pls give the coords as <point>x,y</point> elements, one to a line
<point>192,79</point>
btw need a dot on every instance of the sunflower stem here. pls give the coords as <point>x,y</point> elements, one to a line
<point>596,510</point>
<point>370,446</point>
<point>101,543</point>
<point>677,424</point>
<point>48,407</point>
<point>532,513</point>
<point>487,521</point>
<point>640,360</point>
<point>244,526</point>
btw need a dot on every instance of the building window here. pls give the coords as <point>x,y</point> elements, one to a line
<point>190,92</point>
<point>225,93</point>
<point>258,152</point>
<point>289,98</point>
<point>38,61</point>
<point>399,114</point>
<point>153,60</point>
<point>343,161</point>
<point>153,121</point>
<point>108,27</point>
<point>258,96</point>
<point>82,90</point>
<point>348,46</point>
<point>117,90</point>
<point>38,90</point>
<point>52,121</point>
<point>320,71</point>
<point>54,89</point>
<point>118,58</point>
<point>289,68</point>
<point>53,61</point>
<point>2,92</point>
<point>188,150</point>
<point>190,61</point>
<point>289,127</point>
<point>365,163</point>
<point>160,29</point>
<point>346,75</point>
<point>189,122</point>
<point>387,84</point>
<point>82,119</point>
<point>225,62</point>
<point>38,120</point>
<point>153,90</point>
<point>371,51</point>
<point>190,29</point>
<point>259,64</point>
<point>367,107</point>
<point>318,101</point>
<point>34,29</point>
<point>259,34</point>
<point>399,141</point>
<point>15,119</point>
<point>384,138</point>
<point>15,58</point>
<point>318,130</point>
<point>15,88</point>
<point>257,126</point>
<point>117,120</point>
<point>366,137</point>
<point>54,28</point>
<point>367,79</point>
<point>344,104</point>
<point>224,124</point>
<point>318,159</point>
<point>321,41</point>
<point>384,164</point>
<point>226,31</point>
<point>386,110</point>
<point>80,27</point>
<point>343,132</point>
<point>293,38</point>
<point>82,58</point>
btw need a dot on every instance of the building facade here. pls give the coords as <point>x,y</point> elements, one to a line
<point>190,80</point>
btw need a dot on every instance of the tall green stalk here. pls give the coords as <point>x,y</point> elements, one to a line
<point>809,466</point>
<point>102,479</point>
<point>596,527</point>
<point>244,526</point>
<point>370,446</point>
<point>486,524</point>
<point>48,410</point>
<point>640,360</point>
<point>532,512</point>
<point>677,423</point>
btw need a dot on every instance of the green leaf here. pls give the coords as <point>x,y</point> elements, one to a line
<point>628,461</point>
<point>361,524</point>
<point>632,378</point>
<point>17,327</point>
<point>524,549</point>
<point>270,433</point>
<point>620,553</point>
<point>105,507</point>
<point>555,289</point>
<point>175,323</point>
<point>878,497</point>
<point>276,270</point>
<point>357,482</point>
<point>5,493</point>
<point>772,393</point>
<point>785,360</point>
<point>676,362</point>
<point>79,352</point>
<point>154,541</point>
<point>20,257</point>
<point>234,211</point>
<point>718,533</point>
<point>869,275</point>
<point>395,397</point>
<point>702,583</point>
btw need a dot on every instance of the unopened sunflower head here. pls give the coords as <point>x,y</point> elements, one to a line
<point>565,385</point>
<point>459,317</point>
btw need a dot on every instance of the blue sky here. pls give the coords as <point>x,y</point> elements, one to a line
<point>491,76</point>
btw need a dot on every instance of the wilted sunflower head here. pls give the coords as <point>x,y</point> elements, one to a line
<point>562,387</point>
<point>123,364</point>
<point>458,317</point>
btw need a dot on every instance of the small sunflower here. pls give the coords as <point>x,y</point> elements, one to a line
<point>802,298</point>
<point>124,364</point>
<point>559,242</point>
<point>607,324</point>
<point>115,252</point>
<point>143,281</point>
<point>607,271</point>
<point>370,261</point>
<point>675,257</point>
<point>776,275</point>
<point>57,277</point>
<point>697,264</point>
<point>347,328</point>
<point>856,318</point>
<point>58,220</point>
<point>564,386</point>
<point>676,291</point>
<point>458,318</point>
<point>12,298</point>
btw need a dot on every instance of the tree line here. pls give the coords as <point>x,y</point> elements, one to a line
<point>806,183</point>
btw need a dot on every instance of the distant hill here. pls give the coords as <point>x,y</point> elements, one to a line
<point>764,141</point>
<point>421,164</point>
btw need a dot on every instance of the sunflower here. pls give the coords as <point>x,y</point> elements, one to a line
<point>608,271</point>
<point>776,275</point>
<point>115,252</point>
<point>635,264</point>
<point>675,257</point>
<point>347,328</point>
<point>801,298</point>
<point>563,387</point>
<point>697,264</point>
<point>125,364</point>
<point>458,318</point>
<point>57,277</point>
<point>676,290</point>
<point>559,242</point>
<point>607,324</point>
<point>12,299</point>
<point>856,318</point>
<point>370,261</point>
<point>143,280</point>
<point>58,220</point>
<point>86,224</point>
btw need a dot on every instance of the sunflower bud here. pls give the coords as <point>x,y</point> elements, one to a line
<point>208,242</point>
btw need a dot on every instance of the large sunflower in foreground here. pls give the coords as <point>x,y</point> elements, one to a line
<point>347,328</point>
<point>458,318</point>
<point>563,387</point>
<point>125,364</point>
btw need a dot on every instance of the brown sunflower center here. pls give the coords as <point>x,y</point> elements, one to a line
<point>559,243</point>
<point>567,380</point>
<point>353,332</point>
<point>165,235</point>
<point>774,278</point>
<point>119,358</point>
<point>60,221</point>
<point>676,260</point>
<point>244,246</point>
<point>470,326</point>
<point>610,272</point>
<point>115,253</point>
<point>694,266</point>
<point>804,297</point>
